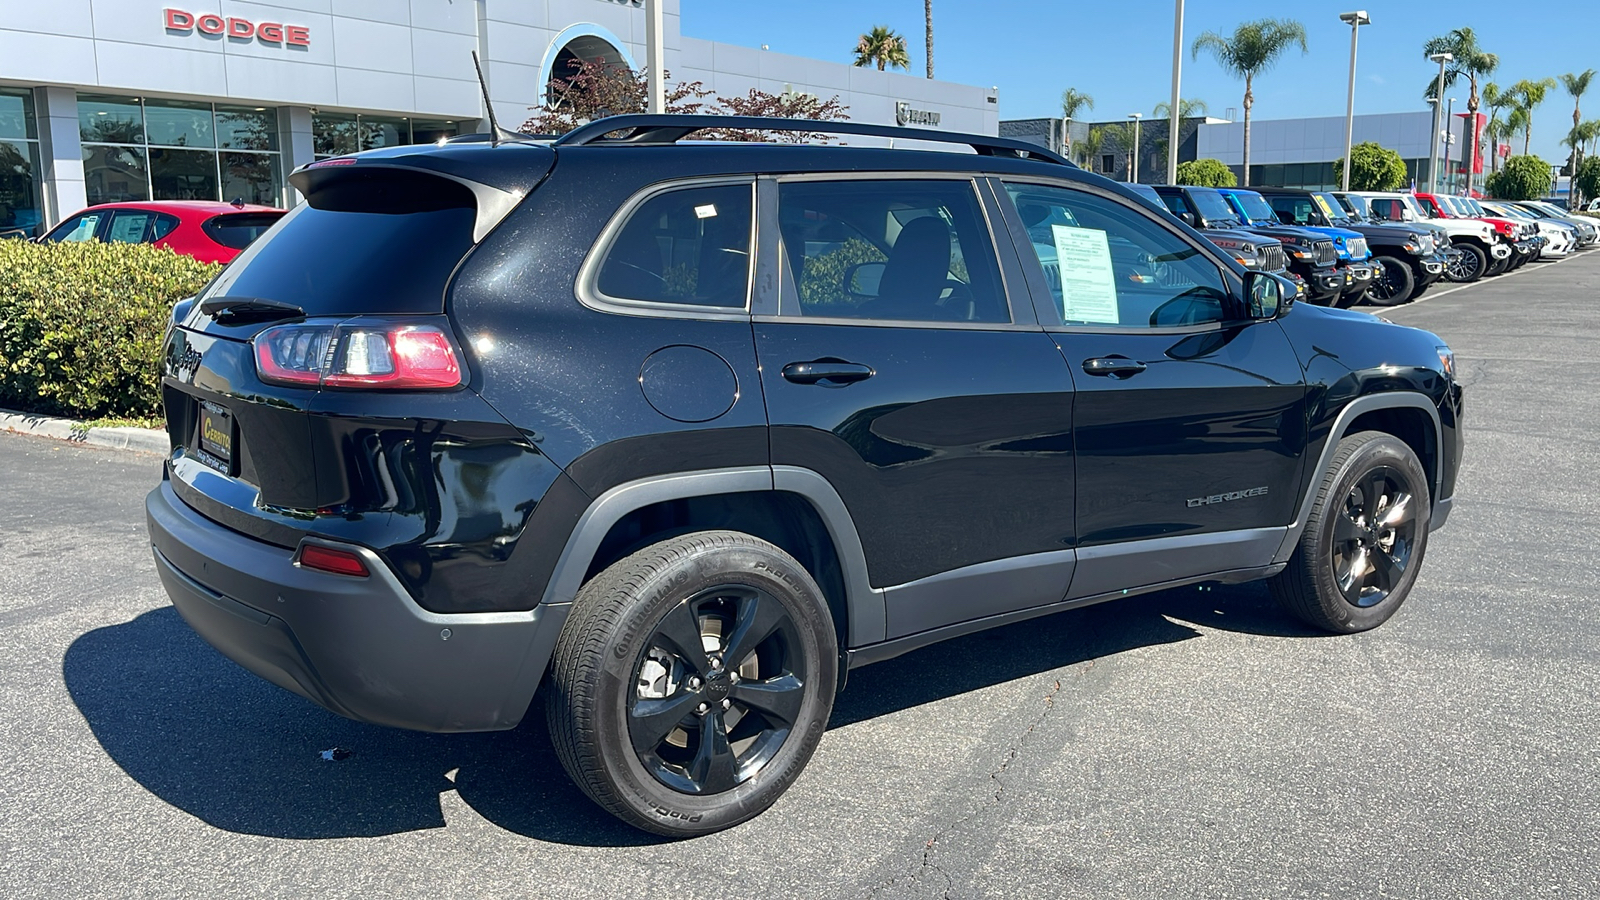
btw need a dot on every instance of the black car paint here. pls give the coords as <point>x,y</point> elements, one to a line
<point>967,449</point>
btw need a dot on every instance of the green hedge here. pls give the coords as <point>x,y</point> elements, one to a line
<point>81,324</point>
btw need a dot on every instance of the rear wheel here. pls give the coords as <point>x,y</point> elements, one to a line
<point>1363,542</point>
<point>692,682</point>
<point>1393,283</point>
<point>1469,266</point>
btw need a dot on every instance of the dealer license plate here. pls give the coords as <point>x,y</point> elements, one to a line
<point>216,434</point>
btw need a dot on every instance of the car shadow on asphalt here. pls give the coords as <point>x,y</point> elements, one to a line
<point>243,755</point>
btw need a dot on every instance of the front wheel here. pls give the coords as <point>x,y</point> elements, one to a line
<point>692,682</point>
<point>1469,266</point>
<point>1393,283</point>
<point>1363,542</point>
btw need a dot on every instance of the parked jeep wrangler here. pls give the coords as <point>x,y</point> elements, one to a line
<point>676,434</point>
<point>1312,257</point>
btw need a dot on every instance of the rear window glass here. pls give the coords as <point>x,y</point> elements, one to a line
<point>239,230</point>
<point>358,249</point>
<point>689,246</point>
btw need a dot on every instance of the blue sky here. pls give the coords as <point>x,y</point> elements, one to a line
<point>1120,52</point>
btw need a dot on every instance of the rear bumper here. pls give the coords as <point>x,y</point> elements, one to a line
<point>360,647</point>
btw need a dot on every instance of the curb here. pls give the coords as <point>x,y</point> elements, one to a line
<point>139,440</point>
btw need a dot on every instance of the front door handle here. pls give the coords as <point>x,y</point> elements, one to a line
<point>1118,366</point>
<point>831,371</point>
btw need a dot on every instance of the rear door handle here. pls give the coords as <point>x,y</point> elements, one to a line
<point>1119,366</point>
<point>834,371</point>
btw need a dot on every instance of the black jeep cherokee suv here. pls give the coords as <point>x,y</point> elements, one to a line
<point>676,434</point>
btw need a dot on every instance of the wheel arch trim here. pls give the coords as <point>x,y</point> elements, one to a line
<point>1337,433</point>
<point>864,604</point>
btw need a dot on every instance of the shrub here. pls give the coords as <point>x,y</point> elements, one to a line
<point>1587,181</point>
<point>1206,173</point>
<point>1521,178</point>
<point>1373,167</point>
<point>81,324</point>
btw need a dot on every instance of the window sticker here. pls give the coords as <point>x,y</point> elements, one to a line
<point>1088,283</point>
<point>705,211</point>
<point>1322,203</point>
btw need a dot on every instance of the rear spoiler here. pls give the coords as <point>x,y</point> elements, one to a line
<point>431,176</point>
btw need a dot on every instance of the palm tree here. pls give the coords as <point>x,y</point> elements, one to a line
<point>1254,47</point>
<point>927,18</point>
<point>1187,109</point>
<point>1580,135</point>
<point>1090,147</point>
<point>1576,85</point>
<point>1468,60</point>
<point>1495,130</point>
<point>1528,95</point>
<point>1519,119</point>
<point>883,47</point>
<point>1073,101</point>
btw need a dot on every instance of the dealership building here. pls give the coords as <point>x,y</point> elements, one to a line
<point>104,100</point>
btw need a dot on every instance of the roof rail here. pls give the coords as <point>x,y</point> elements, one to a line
<point>644,129</point>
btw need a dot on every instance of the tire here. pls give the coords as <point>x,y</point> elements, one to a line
<point>1364,541</point>
<point>641,712</point>
<point>1393,284</point>
<point>1472,265</point>
<point>1419,290</point>
<point>1499,266</point>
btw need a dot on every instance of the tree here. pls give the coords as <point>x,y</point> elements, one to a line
<point>1524,177</point>
<point>1073,101</point>
<point>1580,135</point>
<point>1527,94</point>
<point>1252,50</point>
<point>1587,179</point>
<point>1120,137</point>
<point>1090,147</point>
<point>1471,62</point>
<point>787,105</point>
<point>1206,173</point>
<point>882,47</point>
<point>1576,86</point>
<point>1495,129</point>
<point>1187,109</point>
<point>595,89</point>
<point>1374,167</point>
<point>927,18</point>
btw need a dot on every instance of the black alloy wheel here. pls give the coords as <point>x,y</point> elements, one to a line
<point>1363,543</point>
<point>717,690</point>
<point>1468,266</point>
<point>1392,284</point>
<point>692,681</point>
<point>1373,536</point>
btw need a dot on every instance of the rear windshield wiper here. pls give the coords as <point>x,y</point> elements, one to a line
<point>244,310</point>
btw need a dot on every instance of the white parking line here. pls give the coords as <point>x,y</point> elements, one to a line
<point>1529,267</point>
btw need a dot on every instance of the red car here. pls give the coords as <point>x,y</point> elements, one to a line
<point>208,230</point>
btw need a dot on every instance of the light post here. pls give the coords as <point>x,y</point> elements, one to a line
<point>1449,138</point>
<point>1438,107</point>
<point>1134,156</point>
<point>655,57</point>
<point>1177,72</point>
<point>1355,20</point>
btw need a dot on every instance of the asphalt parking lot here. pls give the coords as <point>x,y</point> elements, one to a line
<point>1194,743</point>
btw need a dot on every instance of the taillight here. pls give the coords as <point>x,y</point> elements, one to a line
<point>402,356</point>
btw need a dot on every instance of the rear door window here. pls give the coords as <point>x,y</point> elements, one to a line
<point>130,226</point>
<point>78,228</point>
<point>687,247</point>
<point>898,250</point>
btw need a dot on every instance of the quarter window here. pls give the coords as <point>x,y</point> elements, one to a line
<point>894,250</point>
<point>689,246</point>
<point>1111,265</point>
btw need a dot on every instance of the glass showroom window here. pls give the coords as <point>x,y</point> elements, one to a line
<point>336,134</point>
<point>20,206</point>
<point>135,149</point>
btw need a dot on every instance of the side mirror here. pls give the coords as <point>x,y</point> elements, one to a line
<point>1189,219</point>
<point>1268,296</point>
<point>862,279</point>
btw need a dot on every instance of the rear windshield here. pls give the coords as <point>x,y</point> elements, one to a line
<point>239,230</point>
<point>1211,205</point>
<point>358,249</point>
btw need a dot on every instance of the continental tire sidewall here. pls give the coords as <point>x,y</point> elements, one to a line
<point>712,559</point>
<point>1376,450</point>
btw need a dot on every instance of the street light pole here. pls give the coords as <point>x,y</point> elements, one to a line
<point>1134,157</point>
<point>655,57</point>
<point>1438,107</point>
<point>1355,20</point>
<point>1449,139</point>
<point>1177,73</point>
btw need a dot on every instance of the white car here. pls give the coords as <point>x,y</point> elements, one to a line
<point>1562,238</point>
